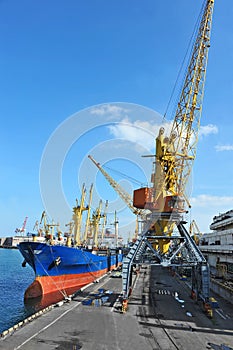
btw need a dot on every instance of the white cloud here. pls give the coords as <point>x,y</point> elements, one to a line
<point>109,110</point>
<point>140,132</point>
<point>208,129</point>
<point>220,148</point>
<point>204,200</point>
<point>205,207</point>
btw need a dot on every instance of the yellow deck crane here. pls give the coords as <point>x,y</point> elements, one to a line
<point>69,234</point>
<point>39,230</point>
<point>45,228</point>
<point>87,227</point>
<point>96,216</point>
<point>48,228</point>
<point>77,217</point>
<point>51,228</point>
<point>104,221</point>
<point>166,197</point>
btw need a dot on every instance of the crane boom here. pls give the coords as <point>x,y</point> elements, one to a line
<point>121,192</point>
<point>180,150</point>
<point>22,229</point>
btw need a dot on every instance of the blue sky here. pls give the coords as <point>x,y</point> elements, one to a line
<point>61,58</point>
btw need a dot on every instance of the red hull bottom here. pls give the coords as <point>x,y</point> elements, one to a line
<point>66,284</point>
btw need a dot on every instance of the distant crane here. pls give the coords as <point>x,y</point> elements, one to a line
<point>48,228</point>
<point>37,228</point>
<point>195,232</point>
<point>22,229</point>
<point>44,220</point>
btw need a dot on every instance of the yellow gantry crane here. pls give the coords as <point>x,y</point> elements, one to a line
<point>175,153</point>
<point>174,157</point>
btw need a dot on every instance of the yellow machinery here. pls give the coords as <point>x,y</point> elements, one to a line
<point>176,152</point>
<point>48,229</point>
<point>69,233</point>
<point>96,216</point>
<point>174,156</point>
<point>87,227</point>
<point>104,221</point>
<point>121,192</point>
<point>195,232</point>
<point>77,217</point>
<point>164,203</point>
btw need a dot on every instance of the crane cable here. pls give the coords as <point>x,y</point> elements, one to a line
<point>124,175</point>
<point>189,50</point>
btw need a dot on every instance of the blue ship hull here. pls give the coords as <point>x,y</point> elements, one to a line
<point>66,269</point>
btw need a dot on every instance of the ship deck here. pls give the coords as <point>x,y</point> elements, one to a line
<point>155,319</point>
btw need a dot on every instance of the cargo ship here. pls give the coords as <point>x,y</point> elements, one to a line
<point>59,268</point>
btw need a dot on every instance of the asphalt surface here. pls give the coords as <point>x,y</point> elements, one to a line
<point>161,315</point>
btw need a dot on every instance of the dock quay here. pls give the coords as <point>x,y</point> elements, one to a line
<point>161,315</point>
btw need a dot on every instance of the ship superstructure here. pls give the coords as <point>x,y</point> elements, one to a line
<point>217,246</point>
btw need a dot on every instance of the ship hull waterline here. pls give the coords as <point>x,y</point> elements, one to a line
<point>64,269</point>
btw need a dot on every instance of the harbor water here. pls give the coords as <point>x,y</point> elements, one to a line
<point>14,279</point>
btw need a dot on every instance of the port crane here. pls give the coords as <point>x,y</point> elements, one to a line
<point>174,157</point>
<point>195,231</point>
<point>22,229</point>
<point>121,191</point>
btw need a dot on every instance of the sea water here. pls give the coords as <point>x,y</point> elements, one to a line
<point>14,279</point>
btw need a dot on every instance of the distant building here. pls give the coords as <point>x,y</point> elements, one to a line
<point>217,246</point>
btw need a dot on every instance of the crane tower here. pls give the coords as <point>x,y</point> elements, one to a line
<point>166,199</point>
